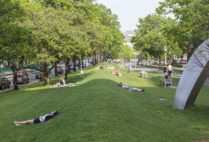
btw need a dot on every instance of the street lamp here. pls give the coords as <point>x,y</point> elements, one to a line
<point>137,54</point>
<point>165,49</point>
<point>123,57</point>
<point>170,56</point>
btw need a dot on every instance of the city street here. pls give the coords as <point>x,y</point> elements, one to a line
<point>32,80</point>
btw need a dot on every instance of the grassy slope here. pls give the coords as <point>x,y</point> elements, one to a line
<point>99,111</point>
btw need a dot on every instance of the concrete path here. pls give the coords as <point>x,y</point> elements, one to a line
<point>152,69</point>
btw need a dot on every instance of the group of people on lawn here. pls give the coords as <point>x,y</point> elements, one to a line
<point>62,83</point>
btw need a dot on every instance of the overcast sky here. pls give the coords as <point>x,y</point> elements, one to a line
<point>129,11</point>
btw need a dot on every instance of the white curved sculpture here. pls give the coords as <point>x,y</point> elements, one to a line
<point>193,77</point>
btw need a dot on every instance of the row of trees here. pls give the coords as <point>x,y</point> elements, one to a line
<point>181,34</point>
<point>46,32</point>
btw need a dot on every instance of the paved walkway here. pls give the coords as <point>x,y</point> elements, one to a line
<point>175,73</point>
<point>153,69</point>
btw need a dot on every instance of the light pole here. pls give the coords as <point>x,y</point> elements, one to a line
<point>170,56</point>
<point>165,49</point>
<point>137,54</point>
<point>123,57</point>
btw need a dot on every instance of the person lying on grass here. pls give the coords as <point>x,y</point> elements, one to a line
<point>130,88</point>
<point>40,119</point>
<point>61,83</point>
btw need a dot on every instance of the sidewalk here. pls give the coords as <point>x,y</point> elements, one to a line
<point>177,72</point>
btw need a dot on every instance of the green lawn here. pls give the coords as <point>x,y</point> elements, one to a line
<point>97,110</point>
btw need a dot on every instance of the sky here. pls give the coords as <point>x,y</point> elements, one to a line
<point>129,11</point>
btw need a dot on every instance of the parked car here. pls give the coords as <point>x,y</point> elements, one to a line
<point>4,83</point>
<point>38,75</point>
<point>60,70</point>
<point>22,77</point>
<point>183,62</point>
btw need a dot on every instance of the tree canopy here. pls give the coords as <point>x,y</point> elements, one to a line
<point>152,36</point>
<point>192,18</point>
<point>48,31</point>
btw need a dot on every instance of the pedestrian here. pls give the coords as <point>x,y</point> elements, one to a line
<point>170,69</point>
<point>165,70</point>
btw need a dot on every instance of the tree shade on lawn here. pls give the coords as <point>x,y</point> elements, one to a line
<point>98,110</point>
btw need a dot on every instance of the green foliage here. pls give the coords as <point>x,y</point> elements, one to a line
<point>193,22</point>
<point>14,39</point>
<point>127,52</point>
<point>52,30</point>
<point>152,36</point>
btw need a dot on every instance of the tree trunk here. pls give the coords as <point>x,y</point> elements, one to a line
<point>79,64</point>
<point>95,60</point>
<point>74,63</point>
<point>190,51</point>
<point>98,57</point>
<point>8,63</point>
<point>15,83</point>
<point>82,62</point>
<point>45,71</point>
<point>41,76</point>
<point>159,60</point>
<point>69,65</point>
<point>46,78</point>
<point>55,69</point>
<point>66,68</point>
<point>14,71</point>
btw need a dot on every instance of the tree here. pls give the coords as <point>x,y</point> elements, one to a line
<point>46,26</point>
<point>193,22</point>
<point>152,36</point>
<point>14,41</point>
<point>112,39</point>
<point>128,52</point>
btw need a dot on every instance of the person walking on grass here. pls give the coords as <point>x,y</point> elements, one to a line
<point>40,119</point>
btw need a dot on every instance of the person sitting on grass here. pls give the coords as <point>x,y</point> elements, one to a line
<point>61,83</point>
<point>130,88</point>
<point>117,73</point>
<point>40,119</point>
<point>99,68</point>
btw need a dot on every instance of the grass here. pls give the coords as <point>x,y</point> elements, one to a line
<point>97,110</point>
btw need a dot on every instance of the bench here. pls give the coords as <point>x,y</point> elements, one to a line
<point>130,69</point>
<point>165,82</point>
<point>143,74</point>
<point>121,67</point>
<point>110,67</point>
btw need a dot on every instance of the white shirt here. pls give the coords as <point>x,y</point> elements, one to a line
<point>170,68</point>
<point>42,118</point>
